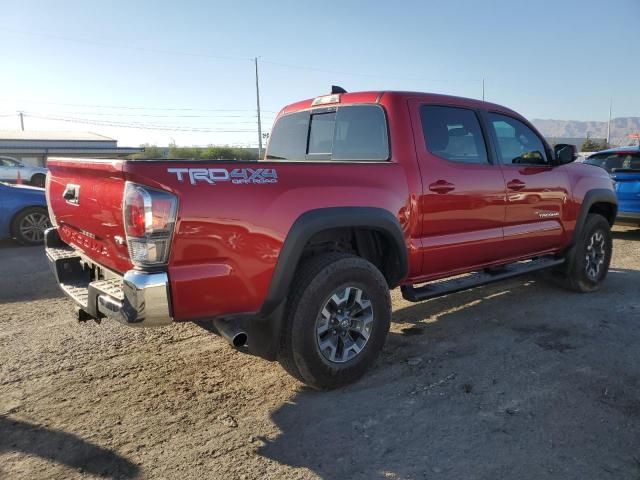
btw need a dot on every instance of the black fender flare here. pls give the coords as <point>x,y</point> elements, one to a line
<point>597,195</point>
<point>318,220</point>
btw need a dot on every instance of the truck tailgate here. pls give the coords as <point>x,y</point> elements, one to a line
<point>90,218</point>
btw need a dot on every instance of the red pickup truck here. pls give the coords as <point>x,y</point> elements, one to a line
<point>359,193</point>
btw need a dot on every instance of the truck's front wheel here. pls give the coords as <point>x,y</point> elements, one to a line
<point>338,316</point>
<point>588,260</point>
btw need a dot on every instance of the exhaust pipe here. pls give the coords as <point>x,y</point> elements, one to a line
<point>231,332</point>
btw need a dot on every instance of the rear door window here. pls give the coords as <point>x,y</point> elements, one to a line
<point>349,133</point>
<point>453,133</point>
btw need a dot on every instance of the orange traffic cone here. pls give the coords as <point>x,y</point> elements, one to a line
<point>19,179</point>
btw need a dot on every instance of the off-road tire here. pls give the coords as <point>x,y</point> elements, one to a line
<point>574,274</point>
<point>313,284</point>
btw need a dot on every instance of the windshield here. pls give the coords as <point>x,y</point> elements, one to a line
<point>616,161</point>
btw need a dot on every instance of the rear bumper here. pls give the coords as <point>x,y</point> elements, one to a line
<point>628,217</point>
<point>136,299</point>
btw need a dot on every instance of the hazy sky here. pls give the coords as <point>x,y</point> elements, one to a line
<point>186,65</point>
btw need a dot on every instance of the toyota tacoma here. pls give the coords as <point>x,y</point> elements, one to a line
<point>292,257</point>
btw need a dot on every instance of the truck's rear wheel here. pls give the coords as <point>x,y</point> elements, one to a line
<point>338,316</point>
<point>588,261</point>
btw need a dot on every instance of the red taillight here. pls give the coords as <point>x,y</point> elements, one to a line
<point>134,210</point>
<point>149,217</point>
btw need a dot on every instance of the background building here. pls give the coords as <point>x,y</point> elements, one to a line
<point>33,148</point>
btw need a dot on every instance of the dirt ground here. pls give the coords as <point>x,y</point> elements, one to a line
<point>516,380</point>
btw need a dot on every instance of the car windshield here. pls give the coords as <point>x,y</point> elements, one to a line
<point>616,161</point>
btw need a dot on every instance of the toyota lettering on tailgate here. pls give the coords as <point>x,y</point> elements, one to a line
<point>85,241</point>
<point>215,175</point>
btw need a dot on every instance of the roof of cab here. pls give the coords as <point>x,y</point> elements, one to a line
<point>376,96</point>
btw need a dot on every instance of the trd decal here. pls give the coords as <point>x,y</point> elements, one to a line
<point>215,175</point>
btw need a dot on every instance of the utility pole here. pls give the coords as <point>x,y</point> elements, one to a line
<point>609,125</point>
<point>258,105</point>
<point>483,89</point>
<point>20,114</point>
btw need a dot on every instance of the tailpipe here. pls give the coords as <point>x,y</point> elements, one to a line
<point>231,332</point>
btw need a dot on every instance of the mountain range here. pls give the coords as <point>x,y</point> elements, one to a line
<point>620,129</point>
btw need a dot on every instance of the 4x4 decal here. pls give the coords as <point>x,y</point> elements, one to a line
<point>215,175</point>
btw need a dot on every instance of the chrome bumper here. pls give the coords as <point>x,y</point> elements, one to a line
<point>137,299</point>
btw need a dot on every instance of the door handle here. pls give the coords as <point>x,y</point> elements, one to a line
<point>441,186</point>
<point>516,185</point>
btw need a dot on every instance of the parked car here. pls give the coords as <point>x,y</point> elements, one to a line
<point>623,164</point>
<point>23,213</point>
<point>10,168</point>
<point>359,193</point>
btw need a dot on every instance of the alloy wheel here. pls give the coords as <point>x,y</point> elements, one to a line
<point>32,227</point>
<point>595,256</point>
<point>344,324</point>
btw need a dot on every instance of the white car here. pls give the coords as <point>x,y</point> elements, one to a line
<point>9,168</point>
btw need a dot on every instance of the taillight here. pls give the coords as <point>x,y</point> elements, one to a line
<point>47,194</point>
<point>149,218</point>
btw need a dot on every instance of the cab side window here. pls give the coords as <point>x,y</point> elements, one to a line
<point>453,133</point>
<point>517,143</point>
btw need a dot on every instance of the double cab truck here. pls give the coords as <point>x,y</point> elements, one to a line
<point>292,257</point>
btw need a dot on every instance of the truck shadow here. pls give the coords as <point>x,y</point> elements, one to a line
<point>64,448</point>
<point>458,393</point>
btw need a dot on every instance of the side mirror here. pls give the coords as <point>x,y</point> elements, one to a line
<point>565,153</point>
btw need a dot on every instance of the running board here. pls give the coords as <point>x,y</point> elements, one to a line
<point>440,288</point>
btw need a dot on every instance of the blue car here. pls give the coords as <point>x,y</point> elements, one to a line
<point>23,213</point>
<point>623,164</point>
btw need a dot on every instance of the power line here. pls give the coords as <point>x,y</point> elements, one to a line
<point>139,126</point>
<point>207,55</point>
<point>119,115</point>
<point>368,75</point>
<point>123,46</point>
<point>126,107</point>
<point>258,110</point>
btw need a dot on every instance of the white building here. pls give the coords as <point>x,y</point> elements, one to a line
<point>33,148</point>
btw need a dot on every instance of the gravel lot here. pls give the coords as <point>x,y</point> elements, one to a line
<point>515,380</point>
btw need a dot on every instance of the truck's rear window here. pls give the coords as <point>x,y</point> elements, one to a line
<point>353,132</point>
